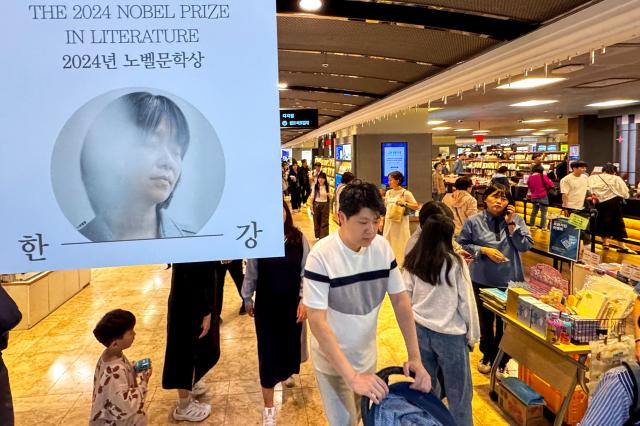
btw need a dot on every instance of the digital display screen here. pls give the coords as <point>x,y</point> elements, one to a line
<point>542,148</point>
<point>552,147</point>
<point>394,158</point>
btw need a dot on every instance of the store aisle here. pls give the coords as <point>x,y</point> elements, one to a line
<point>51,366</point>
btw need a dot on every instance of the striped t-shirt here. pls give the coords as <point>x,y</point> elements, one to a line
<point>350,286</point>
<point>610,403</point>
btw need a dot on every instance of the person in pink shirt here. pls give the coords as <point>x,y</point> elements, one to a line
<point>539,185</point>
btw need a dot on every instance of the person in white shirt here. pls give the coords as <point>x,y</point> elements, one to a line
<point>610,191</point>
<point>346,278</point>
<point>439,284</point>
<point>320,197</point>
<point>574,186</point>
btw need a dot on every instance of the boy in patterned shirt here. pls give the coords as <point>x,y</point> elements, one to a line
<point>118,391</point>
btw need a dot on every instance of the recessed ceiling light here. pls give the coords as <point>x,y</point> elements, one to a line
<point>282,86</point>
<point>529,83</point>
<point>463,130</point>
<point>538,134</point>
<point>525,130</point>
<point>613,103</point>
<point>481,131</point>
<point>548,130</point>
<point>434,109</point>
<point>310,5</point>
<point>536,120</point>
<point>441,128</point>
<point>534,102</point>
<point>567,69</point>
<point>435,122</point>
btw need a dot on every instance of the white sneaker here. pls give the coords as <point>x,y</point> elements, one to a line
<point>269,416</point>
<point>484,366</point>
<point>289,382</point>
<point>194,412</point>
<point>199,389</point>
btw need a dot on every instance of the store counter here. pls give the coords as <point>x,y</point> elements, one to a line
<point>555,364</point>
<point>42,293</point>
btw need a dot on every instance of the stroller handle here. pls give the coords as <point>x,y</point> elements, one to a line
<point>384,374</point>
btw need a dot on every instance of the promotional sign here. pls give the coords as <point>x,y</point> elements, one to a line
<point>574,152</point>
<point>578,221</point>
<point>123,137</point>
<point>343,152</point>
<point>394,158</point>
<point>299,118</point>
<point>590,258</point>
<point>564,239</point>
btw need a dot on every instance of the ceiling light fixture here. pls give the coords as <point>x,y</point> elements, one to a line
<point>536,120</point>
<point>310,5</point>
<point>614,103</point>
<point>435,122</point>
<point>549,130</point>
<point>530,83</point>
<point>441,128</point>
<point>525,130</point>
<point>538,134</point>
<point>463,130</point>
<point>480,131</point>
<point>282,86</point>
<point>534,102</point>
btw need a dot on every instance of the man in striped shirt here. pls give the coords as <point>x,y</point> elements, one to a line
<point>346,278</point>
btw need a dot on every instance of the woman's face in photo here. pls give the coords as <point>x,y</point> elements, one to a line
<point>125,162</point>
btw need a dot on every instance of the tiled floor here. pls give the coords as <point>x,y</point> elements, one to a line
<point>51,365</point>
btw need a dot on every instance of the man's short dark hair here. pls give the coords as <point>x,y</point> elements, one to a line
<point>347,177</point>
<point>317,163</point>
<point>503,169</point>
<point>360,195</point>
<point>113,325</point>
<point>463,183</point>
<point>577,164</point>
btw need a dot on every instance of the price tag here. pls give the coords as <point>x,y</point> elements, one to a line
<point>590,258</point>
<point>578,221</point>
<point>631,271</point>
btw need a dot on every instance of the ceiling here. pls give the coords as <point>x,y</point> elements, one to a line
<point>352,53</point>
<point>490,109</point>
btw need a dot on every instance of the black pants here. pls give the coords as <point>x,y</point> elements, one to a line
<point>295,197</point>
<point>6,404</point>
<point>489,338</point>
<point>306,191</point>
<point>321,219</point>
<point>235,269</point>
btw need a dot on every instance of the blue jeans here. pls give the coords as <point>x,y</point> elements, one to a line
<point>539,204</point>
<point>450,354</point>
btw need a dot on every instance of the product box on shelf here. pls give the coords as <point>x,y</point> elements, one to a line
<point>540,313</point>
<point>523,414</point>
<point>524,309</point>
<point>513,296</point>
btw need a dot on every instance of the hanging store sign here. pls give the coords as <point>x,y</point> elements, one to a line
<point>299,118</point>
<point>120,141</point>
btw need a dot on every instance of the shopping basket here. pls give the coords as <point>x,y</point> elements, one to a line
<point>404,405</point>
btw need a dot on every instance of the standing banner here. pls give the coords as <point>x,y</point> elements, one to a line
<point>138,132</point>
<point>564,239</point>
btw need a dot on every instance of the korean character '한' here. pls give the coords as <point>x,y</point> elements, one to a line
<point>148,59</point>
<point>196,58</point>
<point>28,246</point>
<point>164,60</point>
<point>131,62</point>
<point>110,61</point>
<point>179,58</point>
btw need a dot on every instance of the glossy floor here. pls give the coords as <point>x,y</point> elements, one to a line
<point>51,365</point>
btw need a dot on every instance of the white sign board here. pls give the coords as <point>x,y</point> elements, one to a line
<point>138,132</point>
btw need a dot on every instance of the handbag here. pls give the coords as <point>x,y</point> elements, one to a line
<point>395,213</point>
<point>551,190</point>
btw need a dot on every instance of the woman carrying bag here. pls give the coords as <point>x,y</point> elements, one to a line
<point>540,187</point>
<point>396,222</point>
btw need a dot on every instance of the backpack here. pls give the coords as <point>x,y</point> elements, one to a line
<point>634,409</point>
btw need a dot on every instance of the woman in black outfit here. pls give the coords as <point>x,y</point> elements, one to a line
<point>279,312</point>
<point>295,188</point>
<point>193,339</point>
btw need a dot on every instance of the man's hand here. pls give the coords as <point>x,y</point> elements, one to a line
<point>494,254</point>
<point>248,306</point>
<point>423,379</point>
<point>206,324</point>
<point>369,385</point>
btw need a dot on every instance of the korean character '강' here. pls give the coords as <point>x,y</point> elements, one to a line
<point>148,59</point>
<point>164,60</point>
<point>131,62</point>
<point>110,61</point>
<point>196,58</point>
<point>28,246</point>
<point>179,58</point>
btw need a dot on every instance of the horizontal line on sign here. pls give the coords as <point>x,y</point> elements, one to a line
<point>141,239</point>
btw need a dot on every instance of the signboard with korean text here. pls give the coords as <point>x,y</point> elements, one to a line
<point>564,239</point>
<point>123,140</point>
<point>394,158</point>
<point>299,118</point>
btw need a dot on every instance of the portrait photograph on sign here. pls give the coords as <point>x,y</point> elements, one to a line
<point>137,154</point>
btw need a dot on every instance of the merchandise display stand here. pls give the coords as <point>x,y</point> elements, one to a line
<point>555,364</point>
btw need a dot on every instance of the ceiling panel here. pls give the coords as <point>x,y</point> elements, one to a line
<point>326,97</point>
<point>368,85</point>
<point>526,10</point>
<point>327,107</point>
<point>349,65</point>
<point>392,41</point>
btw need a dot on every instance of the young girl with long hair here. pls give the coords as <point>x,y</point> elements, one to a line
<point>439,285</point>
<point>320,197</point>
